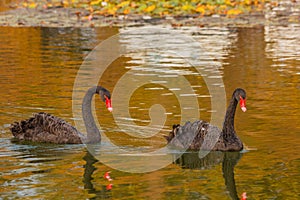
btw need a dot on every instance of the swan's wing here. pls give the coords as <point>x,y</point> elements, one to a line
<point>188,136</point>
<point>210,138</point>
<point>43,127</point>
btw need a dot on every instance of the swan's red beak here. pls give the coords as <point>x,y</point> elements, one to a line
<point>243,104</point>
<point>108,104</point>
<point>244,196</point>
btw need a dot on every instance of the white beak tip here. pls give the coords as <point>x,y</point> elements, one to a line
<point>244,109</point>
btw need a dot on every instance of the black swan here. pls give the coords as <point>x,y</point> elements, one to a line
<point>191,135</point>
<point>43,127</point>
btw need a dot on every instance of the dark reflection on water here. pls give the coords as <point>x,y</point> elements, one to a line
<point>188,160</point>
<point>228,160</point>
<point>89,169</point>
<point>37,71</point>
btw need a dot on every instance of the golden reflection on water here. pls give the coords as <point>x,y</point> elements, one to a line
<point>272,96</point>
<point>38,68</point>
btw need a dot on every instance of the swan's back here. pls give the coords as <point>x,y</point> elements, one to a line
<point>43,127</point>
<point>202,135</point>
<point>189,136</point>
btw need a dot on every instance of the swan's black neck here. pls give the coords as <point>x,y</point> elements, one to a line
<point>93,134</point>
<point>228,125</point>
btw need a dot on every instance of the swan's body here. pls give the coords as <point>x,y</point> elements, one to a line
<point>192,135</point>
<point>43,127</point>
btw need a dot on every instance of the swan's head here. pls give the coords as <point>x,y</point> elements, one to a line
<point>105,96</point>
<point>240,96</point>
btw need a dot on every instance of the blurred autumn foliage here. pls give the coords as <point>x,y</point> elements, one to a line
<point>155,8</point>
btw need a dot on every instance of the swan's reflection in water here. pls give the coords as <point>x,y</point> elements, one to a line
<point>39,163</point>
<point>191,160</point>
<point>34,164</point>
<point>89,169</point>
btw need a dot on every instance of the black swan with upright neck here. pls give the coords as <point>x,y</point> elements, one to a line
<point>43,127</point>
<point>192,135</point>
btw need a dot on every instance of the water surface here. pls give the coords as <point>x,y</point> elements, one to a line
<point>38,69</point>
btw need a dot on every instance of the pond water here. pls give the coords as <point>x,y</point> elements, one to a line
<point>158,76</point>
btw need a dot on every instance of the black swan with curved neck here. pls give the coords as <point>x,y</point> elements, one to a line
<point>43,127</point>
<point>193,135</point>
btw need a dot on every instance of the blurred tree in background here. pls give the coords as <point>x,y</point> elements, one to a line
<point>154,8</point>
